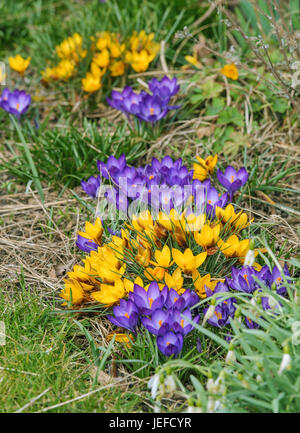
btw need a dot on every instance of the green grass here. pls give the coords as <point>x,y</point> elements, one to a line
<point>46,352</point>
<point>50,357</point>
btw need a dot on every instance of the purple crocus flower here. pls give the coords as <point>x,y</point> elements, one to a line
<point>250,324</point>
<point>174,300</point>
<point>146,107</point>
<point>232,180</point>
<point>207,199</point>
<point>117,98</point>
<point>190,298</point>
<point>242,279</point>
<point>16,102</point>
<point>125,315</point>
<point>112,167</point>
<point>85,244</point>
<point>180,324</point>
<point>170,343</point>
<point>165,88</point>
<point>151,109</point>
<point>147,301</point>
<point>276,277</point>
<point>223,310</point>
<point>91,186</point>
<point>159,323</point>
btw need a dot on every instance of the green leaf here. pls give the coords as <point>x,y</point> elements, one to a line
<point>280,105</point>
<point>211,89</point>
<point>216,107</point>
<point>231,115</point>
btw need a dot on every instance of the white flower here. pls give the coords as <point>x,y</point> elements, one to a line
<point>249,259</point>
<point>209,314</point>
<point>153,385</point>
<point>170,385</point>
<point>230,357</point>
<point>286,363</point>
<point>194,409</point>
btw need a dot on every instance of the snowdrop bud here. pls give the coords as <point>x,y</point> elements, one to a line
<point>210,312</point>
<point>170,385</point>
<point>153,385</point>
<point>286,362</point>
<point>250,258</point>
<point>259,378</point>
<point>230,357</point>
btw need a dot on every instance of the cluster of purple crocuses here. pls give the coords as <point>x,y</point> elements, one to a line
<point>245,280</point>
<point>161,185</point>
<point>164,313</point>
<point>168,316</point>
<point>145,106</point>
<point>16,102</point>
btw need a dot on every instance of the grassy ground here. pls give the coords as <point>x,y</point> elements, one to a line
<point>48,363</point>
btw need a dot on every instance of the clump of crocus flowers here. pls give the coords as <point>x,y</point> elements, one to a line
<point>164,184</point>
<point>154,272</point>
<point>149,107</point>
<point>111,55</point>
<point>161,262</point>
<point>70,53</point>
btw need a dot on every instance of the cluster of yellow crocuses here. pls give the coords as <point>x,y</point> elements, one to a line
<point>70,52</point>
<point>177,250</point>
<point>109,55</point>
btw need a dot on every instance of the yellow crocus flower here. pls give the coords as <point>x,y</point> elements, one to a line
<point>208,236</point>
<point>93,231</point>
<point>229,217</point>
<point>110,294</point>
<point>91,83</point>
<point>117,68</point>
<point>102,59</point>
<point>175,281</point>
<point>195,222</point>
<point>187,261</point>
<point>156,273</point>
<point>103,41</point>
<point>233,247</point>
<point>204,167</point>
<point>121,338</point>
<point>72,292</point>
<point>201,282</point>
<point>230,71</point>
<point>19,64</point>
<point>163,258</point>
<point>129,285</point>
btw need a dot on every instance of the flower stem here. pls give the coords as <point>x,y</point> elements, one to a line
<point>35,175</point>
